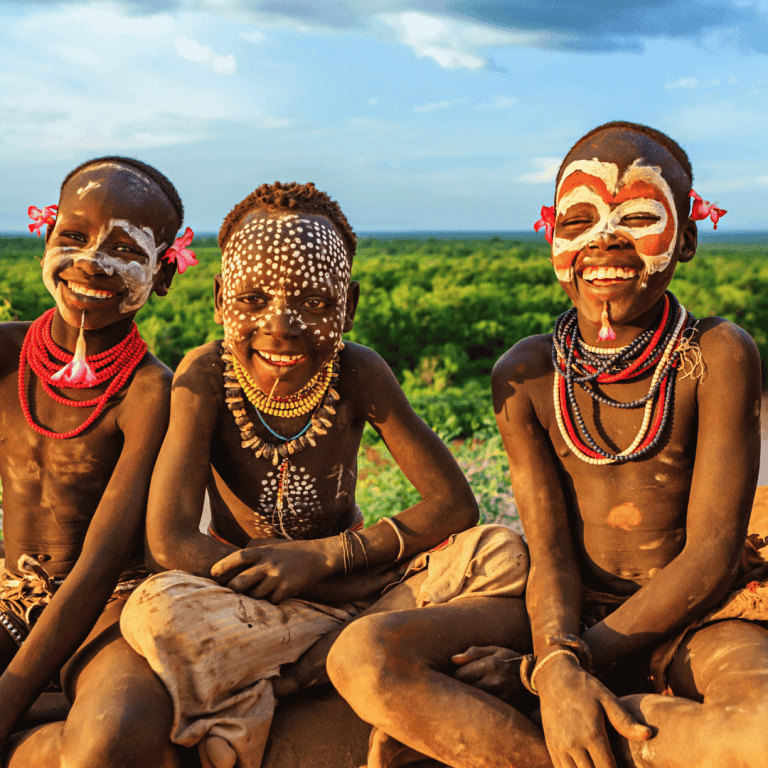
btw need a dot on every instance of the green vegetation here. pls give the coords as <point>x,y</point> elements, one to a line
<point>441,312</point>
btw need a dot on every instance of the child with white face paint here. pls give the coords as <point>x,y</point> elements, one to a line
<point>81,433</point>
<point>270,419</point>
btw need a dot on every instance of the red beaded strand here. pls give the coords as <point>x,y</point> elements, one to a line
<point>41,353</point>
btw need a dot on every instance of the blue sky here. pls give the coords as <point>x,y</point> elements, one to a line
<point>422,115</point>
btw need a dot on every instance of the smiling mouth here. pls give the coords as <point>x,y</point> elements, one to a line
<point>284,360</point>
<point>614,274</point>
<point>80,290</point>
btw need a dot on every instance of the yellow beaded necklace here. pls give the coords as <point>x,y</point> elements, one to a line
<point>297,404</point>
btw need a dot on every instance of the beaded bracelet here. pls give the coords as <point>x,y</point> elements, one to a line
<point>11,629</point>
<point>576,644</point>
<point>400,538</point>
<point>548,657</point>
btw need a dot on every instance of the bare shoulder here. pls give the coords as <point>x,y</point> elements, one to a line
<point>526,362</point>
<point>11,340</point>
<point>724,345</point>
<point>365,376</point>
<point>200,370</point>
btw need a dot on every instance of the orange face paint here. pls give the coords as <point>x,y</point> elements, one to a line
<point>640,206</point>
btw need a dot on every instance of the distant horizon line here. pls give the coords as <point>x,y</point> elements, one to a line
<point>461,233</point>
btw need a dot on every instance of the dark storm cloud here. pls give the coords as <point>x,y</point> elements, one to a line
<point>579,25</point>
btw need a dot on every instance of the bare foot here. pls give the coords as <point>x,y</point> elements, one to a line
<point>386,752</point>
<point>216,752</point>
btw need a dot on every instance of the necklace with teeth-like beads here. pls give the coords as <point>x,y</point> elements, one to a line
<point>577,363</point>
<point>317,425</point>
<point>298,404</point>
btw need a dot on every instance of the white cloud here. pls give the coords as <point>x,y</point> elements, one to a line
<point>203,54</point>
<point>436,106</point>
<point>253,37</point>
<point>762,181</point>
<point>497,103</point>
<point>453,44</point>
<point>546,173</point>
<point>123,89</point>
<point>716,81</point>
<point>733,80</point>
<point>683,82</point>
<point>372,102</point>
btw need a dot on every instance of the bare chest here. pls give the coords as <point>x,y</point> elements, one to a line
<point>307,494</point>
<point>627,518</point>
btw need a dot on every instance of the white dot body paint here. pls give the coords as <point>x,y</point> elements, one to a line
<point>564,250</point>
<point>137,277</point>
<point>286,256</point>
<point>301,506</point>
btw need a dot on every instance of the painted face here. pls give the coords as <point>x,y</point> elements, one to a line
<point>592,202</point>
<point>103,255</point>
<point>283,296</point>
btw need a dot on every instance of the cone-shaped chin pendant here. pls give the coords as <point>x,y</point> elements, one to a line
<point>606,333</point>
<point>77,370</point>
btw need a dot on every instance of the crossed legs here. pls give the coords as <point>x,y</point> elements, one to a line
<point>388,667</point>
<point>719,715</point>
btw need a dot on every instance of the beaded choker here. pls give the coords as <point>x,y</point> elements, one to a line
<point>297,404</point>
<point>659,347</point>
<point>318,423</point>
<point>46,358</point>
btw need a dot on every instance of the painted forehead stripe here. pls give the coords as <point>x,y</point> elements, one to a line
<point>642,188</point>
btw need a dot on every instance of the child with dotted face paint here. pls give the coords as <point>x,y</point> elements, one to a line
<point>270,420</point>
<point>84,410</point>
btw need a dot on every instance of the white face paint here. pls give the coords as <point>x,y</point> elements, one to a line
<point>289,259</point>
<point>641,190</point>
<point>136,276</point>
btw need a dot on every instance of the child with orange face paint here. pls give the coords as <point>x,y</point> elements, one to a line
<point>634,459</point>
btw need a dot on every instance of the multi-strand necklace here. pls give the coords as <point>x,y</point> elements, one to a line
<point>576,363</point>
<point>46,358</point>
<point>317,398</point>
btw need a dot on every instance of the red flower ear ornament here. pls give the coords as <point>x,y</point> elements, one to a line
<point>179,254</point>
<point>39,218</point>
<point>703,209</point>
<point>547,221</point>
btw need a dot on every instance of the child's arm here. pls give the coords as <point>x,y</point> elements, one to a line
<point>572,702</point>
<point>177,492</point>
<point>447,505</point>
<point>112,535</point>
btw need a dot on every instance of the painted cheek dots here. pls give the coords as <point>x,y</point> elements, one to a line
<point>286,258</point>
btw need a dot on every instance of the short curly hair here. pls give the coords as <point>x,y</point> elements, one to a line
<point>160,179</point>
<point>295,198</point>
<point>660,138</point>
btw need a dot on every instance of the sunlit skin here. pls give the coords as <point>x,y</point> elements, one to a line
<point>78,504</point>
<point>283,306</point>
<point>644,528</point>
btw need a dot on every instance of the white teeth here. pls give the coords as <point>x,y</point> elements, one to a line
<point>281,358</point>
<point>608,273</point>
<point>83,290</point>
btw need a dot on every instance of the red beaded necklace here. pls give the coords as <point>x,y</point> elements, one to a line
<point>46,358</point>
